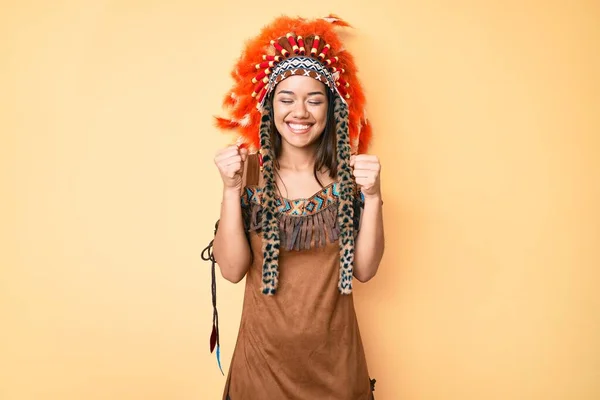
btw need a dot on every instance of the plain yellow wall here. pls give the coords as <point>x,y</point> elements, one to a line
<point>486,117</point>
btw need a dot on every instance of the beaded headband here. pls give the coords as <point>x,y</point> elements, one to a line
<point>303,66</point>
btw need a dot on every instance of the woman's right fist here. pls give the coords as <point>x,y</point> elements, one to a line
<point>230,162</point>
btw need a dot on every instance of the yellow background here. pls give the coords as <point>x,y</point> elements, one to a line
<point>486,117</point>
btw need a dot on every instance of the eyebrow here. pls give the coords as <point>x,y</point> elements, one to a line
<point>292,93</point>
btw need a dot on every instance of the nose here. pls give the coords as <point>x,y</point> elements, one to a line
<point>300,110</point>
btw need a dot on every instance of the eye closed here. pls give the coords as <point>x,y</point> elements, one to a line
<point>310,102</point>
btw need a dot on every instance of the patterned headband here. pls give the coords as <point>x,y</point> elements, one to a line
<point>297,57</point>
<point>302,66</point>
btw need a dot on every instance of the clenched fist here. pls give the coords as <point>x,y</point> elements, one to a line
<point>230,162</point>
<point>366,169</point>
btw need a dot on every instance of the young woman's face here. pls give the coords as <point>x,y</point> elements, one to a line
<point>300,110</point>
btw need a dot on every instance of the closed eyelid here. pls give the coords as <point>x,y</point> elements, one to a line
<point>292,94</point>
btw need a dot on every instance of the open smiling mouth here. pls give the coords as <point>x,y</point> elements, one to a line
<point>298,128</point>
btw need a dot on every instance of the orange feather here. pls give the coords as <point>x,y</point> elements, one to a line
<point>225,123</point>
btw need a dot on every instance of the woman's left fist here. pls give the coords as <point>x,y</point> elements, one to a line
<point>366,169</point>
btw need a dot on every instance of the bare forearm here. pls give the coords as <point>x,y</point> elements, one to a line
<point>231,249</point>
<point>370,243</point>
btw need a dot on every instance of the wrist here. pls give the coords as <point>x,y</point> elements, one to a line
<point>373,199</point>
<point>231,193</point>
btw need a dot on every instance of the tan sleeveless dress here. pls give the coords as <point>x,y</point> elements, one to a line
<point>304,342</point>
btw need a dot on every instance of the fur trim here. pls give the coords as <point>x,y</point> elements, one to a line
<point>346,193</point>
<point>270,227</point>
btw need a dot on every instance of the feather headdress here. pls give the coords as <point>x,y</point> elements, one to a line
<point>289,37</point>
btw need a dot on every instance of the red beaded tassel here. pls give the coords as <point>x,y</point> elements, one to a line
<point>342,87</point>
<point>262,94</point>
<point>315,46</point>
<point>292,42</point>
<point>261,75</point>
<point>343,92</point>
<point>266,64</point>
<point>259,86</point>
<point>302,49</point>
<point>343,83</point>
<point>331,60</point>
<point>323,53</point>
<point>272,58</point>
<point>280,49</point>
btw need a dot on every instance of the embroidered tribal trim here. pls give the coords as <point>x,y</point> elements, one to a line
<point>303,223</point>
<point>323,199</point>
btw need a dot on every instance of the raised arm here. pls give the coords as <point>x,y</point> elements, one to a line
<point>370,243</point>
<point>230,248</point>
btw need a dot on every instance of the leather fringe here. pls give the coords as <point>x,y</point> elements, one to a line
<point>303,232</point>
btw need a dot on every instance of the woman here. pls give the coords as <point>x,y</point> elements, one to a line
<point>300,218</point>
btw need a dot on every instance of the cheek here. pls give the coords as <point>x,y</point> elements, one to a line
<point>322,116</point>
<point>278,115</point>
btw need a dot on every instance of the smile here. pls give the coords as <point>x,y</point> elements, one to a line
<point>298,128</point>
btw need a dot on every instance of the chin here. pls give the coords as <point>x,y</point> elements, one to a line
<point>301,142</point>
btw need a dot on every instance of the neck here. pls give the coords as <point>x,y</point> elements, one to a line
<point>297,159</point>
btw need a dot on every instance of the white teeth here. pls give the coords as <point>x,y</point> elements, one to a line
<point>299,127</point>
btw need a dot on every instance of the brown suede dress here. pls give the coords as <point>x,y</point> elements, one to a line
<point>302,343</point>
